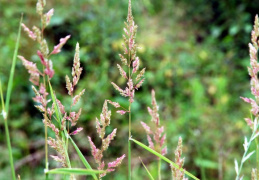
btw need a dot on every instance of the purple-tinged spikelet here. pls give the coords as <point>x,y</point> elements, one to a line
<point>29,32</point>
<point>253,72</point>
<point>177,174</point>
<point>132,62</point>
<point>58,47</point>
<point>98,153</point>
<point>32,70</point>
<point>76,131</point>
<point>158,134</point>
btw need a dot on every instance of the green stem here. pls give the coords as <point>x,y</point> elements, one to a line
<point>159,168</point>
<point>129,144</point>
<point>9,148</point>
<point>246,151</point>
<point>46,136</point>
<point>257,158</point>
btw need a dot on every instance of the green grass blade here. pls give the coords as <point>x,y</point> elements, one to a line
<point>2,100</point>
<point>77,171</point>
<point>57,112</point>
<point>5,105</point>
<point>10,82</point>
<point>149,174</point>
<point>81,156</point>
<point>163,157</point>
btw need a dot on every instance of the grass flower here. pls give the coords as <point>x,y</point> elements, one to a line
<point>101,125</point>
<point>254,82</point>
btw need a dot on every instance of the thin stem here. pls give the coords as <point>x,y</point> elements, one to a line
<point>257,158</point>
<point>9,148</point>
<point>246,151</point>
<point>46,135</point>
<point>129,143</point>
<point>7,134</point>
<point>159,168</point>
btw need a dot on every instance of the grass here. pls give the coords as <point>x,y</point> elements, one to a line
<point>61,122</point>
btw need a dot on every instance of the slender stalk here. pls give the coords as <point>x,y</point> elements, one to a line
<point>46,138</point>
<point>129,143</point>
<point>257,158</point>
<point>5,105</point>
<point>246,151</point>
<point>7,134</point>
<point>159,168</point>
<point>9,148</point>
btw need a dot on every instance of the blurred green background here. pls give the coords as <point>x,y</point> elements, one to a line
<point>195,54</point>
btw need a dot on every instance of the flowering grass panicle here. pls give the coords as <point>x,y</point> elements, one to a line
<point>158,133</point>
<point>101,125</point>
<point>55,115</point>
<point>253,121</point>
<point>129,69</point>
<point>177,174</point>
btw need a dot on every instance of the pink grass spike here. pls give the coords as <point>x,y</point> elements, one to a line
<point>29,32</point>
<point>76,131</point>
<point>62,41</point>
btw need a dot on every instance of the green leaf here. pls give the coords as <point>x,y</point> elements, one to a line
<point>10,82</point>
<point>2,100</point>
<point>163,157</point>
<point>57,112</point>
<point>149,174</point>
<point>77,171</point>
<point>81,156</point>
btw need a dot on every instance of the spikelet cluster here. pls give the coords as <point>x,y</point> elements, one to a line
<point>158,135</point>
<point>176,173</point>
<point>41,95</point>
<point>254,102</point>
<point>130,62</point>
<point>253,72</point>
<point>101,125</point>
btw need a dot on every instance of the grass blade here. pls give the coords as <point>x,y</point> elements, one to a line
<point>5,105</point>
<point>150,176</point>
<point>10,82</point>
<point>81,156</point>
<point>57,112</point>
<point>163,157</point>
<point>2,100</point>
<point>77,171</point>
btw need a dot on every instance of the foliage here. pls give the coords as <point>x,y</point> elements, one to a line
<point>196,64</point>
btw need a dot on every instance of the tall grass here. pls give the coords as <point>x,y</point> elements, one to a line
<point>62,120</point>
<point>5,104</point>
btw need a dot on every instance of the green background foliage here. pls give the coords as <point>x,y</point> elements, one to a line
<point>195,54</point>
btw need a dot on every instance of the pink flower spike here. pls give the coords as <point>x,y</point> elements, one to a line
<point>164,151</point>
<point>76,131</point>
<point>116,162</point>
<point>49,69</point>
<point>48,15</point>
<point>29,32</point>
<point>249,122</point>
<point>150,142</point>
<point>41,58</point>
<point>93,147</point>
<point>162,140</point>
<point>115,104</point>
<point>121,112</point>
<point>150,111</point>
<point>146,127</point>
<point>62,41</point>
<point>247,100</point>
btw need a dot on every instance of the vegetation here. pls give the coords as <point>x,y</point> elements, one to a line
<point>196,64</point>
